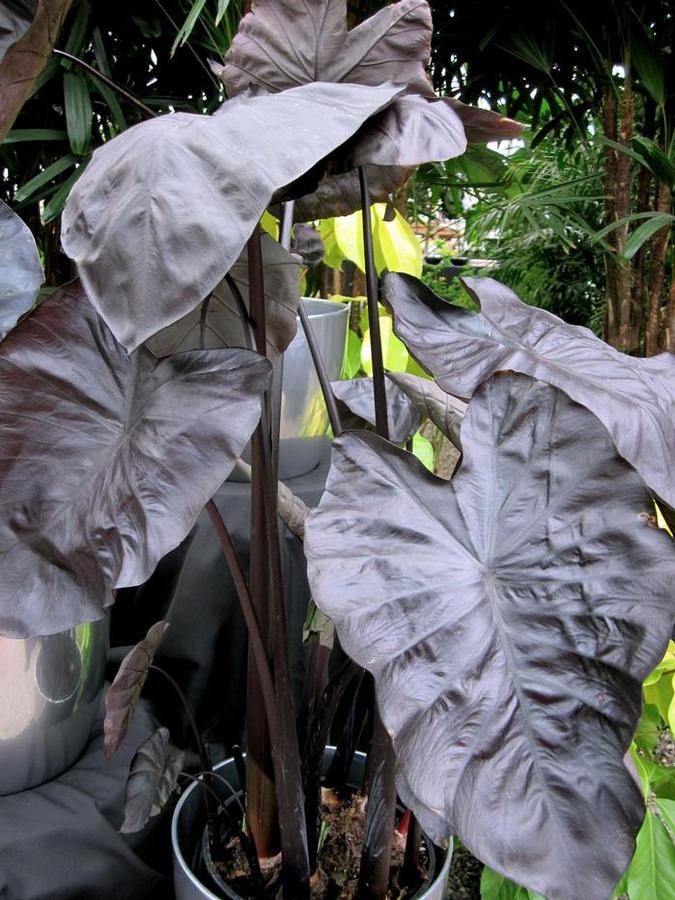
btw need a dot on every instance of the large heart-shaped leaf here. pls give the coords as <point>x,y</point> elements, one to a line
<point>153,776</point>
<point>220,320</point>
<point>164,210</point>
<point>124,693</point>
<point>355,396</point>
<point>282,43</point>
<point>107,459</point>
<point>509,617</point>
<point>20,269</point>
<point>633,398</point>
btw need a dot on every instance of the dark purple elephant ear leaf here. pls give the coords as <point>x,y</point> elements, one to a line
<point>107,458</point>
<point>153,776</point>
<point>281,44</point>
<point>446,412</point>
<point>123,694</point>
<point>20,269</point>
<point>509,617</point>
<point>633,398</point>
<point>355,396</point>
<point>222,320</point>
<point>164,210</point>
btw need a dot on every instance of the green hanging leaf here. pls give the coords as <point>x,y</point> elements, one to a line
<point>352,361</point>
<point>222,9</point>
<point>20,135</point>
<point>30,187</point>
<point>651,874</point>
<point>494,886</point>
<point>649,63</point>
<point>79,112</point>
<point>54,207</point>
<point>654,159</point>
<point>185,30</point>
<point>423,450</point>
<point>395,245</point>
<point>643,233</point>
<point>394,352</point>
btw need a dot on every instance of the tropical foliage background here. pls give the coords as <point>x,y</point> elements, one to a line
<point>576,217</point>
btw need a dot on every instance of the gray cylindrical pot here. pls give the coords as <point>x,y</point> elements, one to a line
<point>50,689</point>
<point>187,838</point>
<point>304,418</point>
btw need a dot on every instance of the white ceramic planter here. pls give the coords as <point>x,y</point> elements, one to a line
<point>187,829</point>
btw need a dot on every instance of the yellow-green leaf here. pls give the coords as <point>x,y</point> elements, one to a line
<point>394,352</point>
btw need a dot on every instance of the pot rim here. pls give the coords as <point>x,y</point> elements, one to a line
<point>442,876</point>
<point>329,307</point>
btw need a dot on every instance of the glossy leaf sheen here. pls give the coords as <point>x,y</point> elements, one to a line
<point>633,398</point>
<point>509,617</point>
<point>153,776</point>
<point>164,210</point>
<point>20,269</point>
<point>357,396</point>
<point>224,324</point>
<point>107,459</point>
<point>123,694</point>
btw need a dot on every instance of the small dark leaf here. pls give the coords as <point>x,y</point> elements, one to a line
<point>123,694</point>
<point>633,398</point>
<point>224,324</point>
<point>107,459</point>
<point>307,242</point>
<point>20,269</point>
<point>509,617</point>
<point>153,776</point>
<point>446,412</point>
<point>356,395</point>
<point>340,195</point>
<point>163,211</point>
<point>484,125</point>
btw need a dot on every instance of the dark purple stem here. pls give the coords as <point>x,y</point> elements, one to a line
<point>379,387</point>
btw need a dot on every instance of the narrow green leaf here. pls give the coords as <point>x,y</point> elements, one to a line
<point>78,30</point>
<point>423,450</point>
<point>21,135</point>
<point>54,208</point>
<point>78,111</point>
<point>633,217</point>
<point>185,30</point>
<point>30,187</point>
<point>654,159</point>
<point>643,233</point>
<point>649,63</point>
<point>108,95</point>
<point>651,874</point>
<point>222,9</point>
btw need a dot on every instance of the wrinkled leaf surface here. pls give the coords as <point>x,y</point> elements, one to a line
<point>509,617</point>
<point>164,210</point>
<point>107,459</point>
<point>123,694</point>
<point>633,398</point>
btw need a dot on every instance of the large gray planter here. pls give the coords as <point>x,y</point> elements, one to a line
<point>187,831</point>
<point>50,689</point>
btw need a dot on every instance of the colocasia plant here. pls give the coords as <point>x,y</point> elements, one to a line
<point>508,616</point>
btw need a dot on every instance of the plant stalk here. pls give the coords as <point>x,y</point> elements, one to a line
<point>379,387</point>
<point>381,788</point>
<point>321,373</point>
<point>266,578</point>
